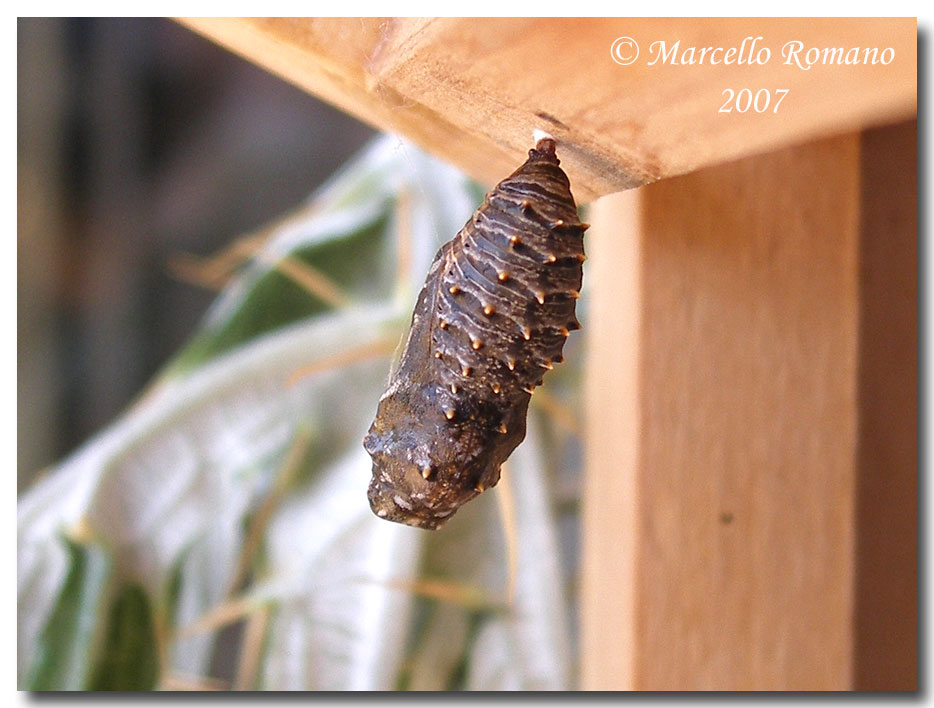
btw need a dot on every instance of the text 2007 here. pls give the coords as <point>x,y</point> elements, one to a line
<point>745,100</point>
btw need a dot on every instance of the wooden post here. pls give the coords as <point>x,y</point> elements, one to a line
<point>886,621</point>
<point>751,433</point>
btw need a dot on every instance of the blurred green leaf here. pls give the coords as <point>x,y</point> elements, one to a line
<point>275,300</point>
<point>66,646</point>
<point>130,659</point>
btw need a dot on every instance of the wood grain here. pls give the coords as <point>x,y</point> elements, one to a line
<point>472,90</point>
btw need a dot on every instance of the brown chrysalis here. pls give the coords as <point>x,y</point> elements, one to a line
<point>492,318</point>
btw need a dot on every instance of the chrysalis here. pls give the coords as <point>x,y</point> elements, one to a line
<point>492,318</point>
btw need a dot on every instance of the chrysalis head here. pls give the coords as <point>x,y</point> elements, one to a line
<point>425,464</point>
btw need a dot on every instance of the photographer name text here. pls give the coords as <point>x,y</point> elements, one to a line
<point>751,51</point>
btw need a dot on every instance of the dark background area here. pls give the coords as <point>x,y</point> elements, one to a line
<point>137,141</point>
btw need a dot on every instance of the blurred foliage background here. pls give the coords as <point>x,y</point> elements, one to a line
<point>209,529</point>
<point>138,142</point>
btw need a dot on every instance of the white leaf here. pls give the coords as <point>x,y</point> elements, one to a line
<point>336,625</point>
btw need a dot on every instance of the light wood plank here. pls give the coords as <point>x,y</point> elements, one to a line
<point>611,511</point>
<point>737,507</point>
<point>472,90</point>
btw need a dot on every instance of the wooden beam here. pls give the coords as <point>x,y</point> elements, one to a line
<point>472,90</point>
<point>749,516</point>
